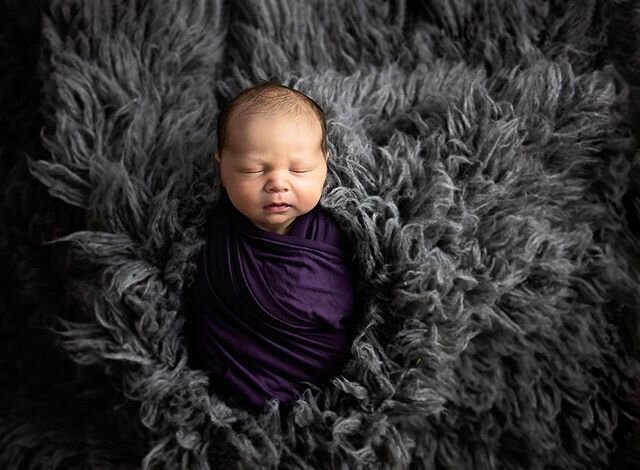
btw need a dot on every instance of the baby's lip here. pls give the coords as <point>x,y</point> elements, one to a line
<point>277,204</point>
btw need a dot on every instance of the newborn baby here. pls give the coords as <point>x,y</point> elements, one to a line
<point>273,299</point>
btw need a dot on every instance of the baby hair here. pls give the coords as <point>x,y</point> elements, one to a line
<point>270,97</point>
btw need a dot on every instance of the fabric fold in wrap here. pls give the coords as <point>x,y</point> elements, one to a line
<point>272,311</point>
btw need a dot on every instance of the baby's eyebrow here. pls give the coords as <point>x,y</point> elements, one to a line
<point>256,159</point>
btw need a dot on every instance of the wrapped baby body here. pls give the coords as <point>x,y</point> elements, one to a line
<point>272,311</point>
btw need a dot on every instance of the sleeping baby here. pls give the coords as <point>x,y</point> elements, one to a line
<point>273,299</point>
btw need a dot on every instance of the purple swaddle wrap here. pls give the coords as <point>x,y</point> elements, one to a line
<point>272,310</point>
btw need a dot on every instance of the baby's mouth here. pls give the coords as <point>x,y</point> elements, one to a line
<point>276,207</point>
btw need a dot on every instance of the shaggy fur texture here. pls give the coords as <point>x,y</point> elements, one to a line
<point>481,164</point>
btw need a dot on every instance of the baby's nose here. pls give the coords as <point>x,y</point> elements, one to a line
<point>278,183</point>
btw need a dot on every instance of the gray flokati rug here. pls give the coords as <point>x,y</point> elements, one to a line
<point>479,159</point>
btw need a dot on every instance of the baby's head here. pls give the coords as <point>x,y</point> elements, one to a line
<point>272,149</point>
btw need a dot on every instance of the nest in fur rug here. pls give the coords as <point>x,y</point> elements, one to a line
<point>481,165</point>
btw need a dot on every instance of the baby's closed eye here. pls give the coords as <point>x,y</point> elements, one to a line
<point>260,171</point>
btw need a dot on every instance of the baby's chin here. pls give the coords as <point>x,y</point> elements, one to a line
<point>282,229</point>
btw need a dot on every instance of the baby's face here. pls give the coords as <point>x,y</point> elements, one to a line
<point>273,159</point>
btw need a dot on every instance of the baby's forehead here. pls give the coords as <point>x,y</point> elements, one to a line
<point>268,127</point>
<point>262,140</point>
